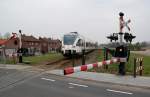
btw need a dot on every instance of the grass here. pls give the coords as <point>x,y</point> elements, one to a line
<point>37,59</point>
<point>113,68</point>
<point>43,58</point>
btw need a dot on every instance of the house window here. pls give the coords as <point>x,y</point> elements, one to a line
<point>30,43</point>
<point>36,44</point>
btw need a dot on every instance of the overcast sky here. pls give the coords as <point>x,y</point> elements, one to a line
<point>94,19</point>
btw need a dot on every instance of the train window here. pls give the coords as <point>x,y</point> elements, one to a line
<point>69,39</point>
<point>79,43</point>
<point>87,44</point>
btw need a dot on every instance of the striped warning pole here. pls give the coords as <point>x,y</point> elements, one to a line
<point>138,66</point>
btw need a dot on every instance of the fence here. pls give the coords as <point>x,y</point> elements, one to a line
<point>138,66</point>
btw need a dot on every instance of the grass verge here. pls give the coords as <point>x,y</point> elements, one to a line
<point>43,58</point>
<point>35,60</point>
<point>113,68</point>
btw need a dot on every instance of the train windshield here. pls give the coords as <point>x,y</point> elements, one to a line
<point>69,39</point>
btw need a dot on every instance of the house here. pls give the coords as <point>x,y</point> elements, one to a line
<point>30,45</point>
<point>50,45</point>
<point>9,47</point>
<point>54,45</point>
<point>44,45</point>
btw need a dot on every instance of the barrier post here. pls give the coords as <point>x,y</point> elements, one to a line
<point>105,57</point>
<point>83,57</point>
<point>141,67</point>
<point>134,72</point>
<point>73,56</point>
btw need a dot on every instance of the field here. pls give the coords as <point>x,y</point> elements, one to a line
<point>35,60</point>
<point>43,58</point>
<point>113,68</point>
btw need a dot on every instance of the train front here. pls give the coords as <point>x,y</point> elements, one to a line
<point>68,44</point>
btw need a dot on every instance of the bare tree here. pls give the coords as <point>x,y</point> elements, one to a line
<point>6,35</point>
<point>1,36</point>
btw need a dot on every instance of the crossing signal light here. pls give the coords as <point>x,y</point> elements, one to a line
<point>131,37</point>
<point>113,37</point>
<point>128,37</point>
<point>110,37</point>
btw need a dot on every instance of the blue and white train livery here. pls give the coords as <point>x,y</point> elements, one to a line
<point>75,42</point>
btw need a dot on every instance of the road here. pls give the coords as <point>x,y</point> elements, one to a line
<point>146,52</point>
<point>49,85</point>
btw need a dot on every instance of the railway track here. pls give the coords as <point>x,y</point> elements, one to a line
<point>63,63</point>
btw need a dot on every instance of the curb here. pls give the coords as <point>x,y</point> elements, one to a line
<point>97,81</point>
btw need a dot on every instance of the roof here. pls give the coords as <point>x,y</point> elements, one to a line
<point>44,39</point>
<point>29,38</point>
<point>49,40</point>
<point>2,41</point>
<point>56,40</point>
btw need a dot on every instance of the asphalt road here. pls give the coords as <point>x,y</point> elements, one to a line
<point>4,72</point>
<point>48,85</point>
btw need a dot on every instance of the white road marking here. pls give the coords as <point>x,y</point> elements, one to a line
<point>48,79</point>
<point>70,87</point>
<point>119,91</point>
<point>78,85</point>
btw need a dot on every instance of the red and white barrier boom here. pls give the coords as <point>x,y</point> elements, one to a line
<point>71,70</point>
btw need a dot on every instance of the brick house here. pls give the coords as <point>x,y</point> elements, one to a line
<point>30,45</point>
<point>50,45</point>
<point>44,45</point>
<point>9,47</point>
<point>54,45</point>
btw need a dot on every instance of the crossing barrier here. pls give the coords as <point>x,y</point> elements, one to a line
<point>71,70</point>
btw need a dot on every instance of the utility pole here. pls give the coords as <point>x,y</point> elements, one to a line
<point>121,22</point>
<point>122,64</point>
<point>20,47</point>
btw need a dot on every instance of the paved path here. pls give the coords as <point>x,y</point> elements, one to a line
<point>12,66</point>
<point>109,78</point>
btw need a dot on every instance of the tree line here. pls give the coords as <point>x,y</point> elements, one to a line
<point>5,35</point>
<point>133,46</point>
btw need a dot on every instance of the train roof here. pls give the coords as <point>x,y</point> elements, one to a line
<point>72,33</point>
<point>79,36</point>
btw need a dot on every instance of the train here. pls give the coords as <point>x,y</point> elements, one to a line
<point>74,43</point>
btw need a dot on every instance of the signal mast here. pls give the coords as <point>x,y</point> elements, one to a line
<point>121,50</point>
